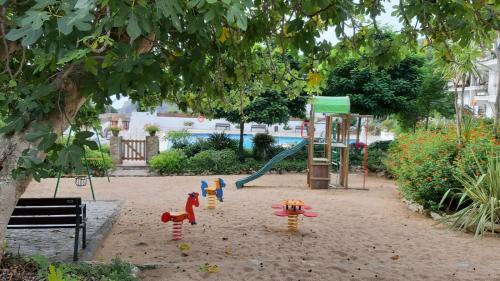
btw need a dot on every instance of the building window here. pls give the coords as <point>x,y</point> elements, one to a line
<point>125,125</point>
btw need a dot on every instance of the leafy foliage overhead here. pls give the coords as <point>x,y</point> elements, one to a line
<point>54,51</point>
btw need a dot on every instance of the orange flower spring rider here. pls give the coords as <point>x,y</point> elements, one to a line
<point>292,209</point>
<point>178,217</point>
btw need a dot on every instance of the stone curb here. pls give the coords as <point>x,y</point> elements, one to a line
<point>93,244</point>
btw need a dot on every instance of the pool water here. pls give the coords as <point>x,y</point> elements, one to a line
<point>247,139</point>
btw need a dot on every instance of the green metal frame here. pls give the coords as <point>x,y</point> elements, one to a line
<point>86,165</point>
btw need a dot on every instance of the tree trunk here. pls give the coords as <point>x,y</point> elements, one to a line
<point>496,108</point>
<point>358,132</point>
<point>457,115</point>
<point>11,147</point>
<point>462,104</point>
<point>241,150</point>
<point>427,122</point>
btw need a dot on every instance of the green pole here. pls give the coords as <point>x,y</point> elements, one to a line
<point>88,174</point>
<point>102,154</point>
<point>59,172</point>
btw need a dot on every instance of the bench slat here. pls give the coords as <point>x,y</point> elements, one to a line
<point>40,211</point>
<point>49,202</point>
<point>44,220</point>
<point>48,226</point>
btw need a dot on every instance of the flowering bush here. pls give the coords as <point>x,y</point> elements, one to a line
<point>426,164</point>
<point>423,165</point>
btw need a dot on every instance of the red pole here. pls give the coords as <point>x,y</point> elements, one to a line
<point>365,153</point>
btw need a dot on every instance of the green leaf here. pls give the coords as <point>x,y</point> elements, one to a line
<point>35,19</point>
<point>171,10</point>
<point>79,16</point>
<point>73,55</point>
<point>83,135</point>
<point>235,14</point>
<point>133,29</point>
<point>42,132</point>
<point>71,156</point>
<point>81,139</point>
<point>28,35</point>
<point>108,60</point>
<point>13,123</point>
<point>90,64</point>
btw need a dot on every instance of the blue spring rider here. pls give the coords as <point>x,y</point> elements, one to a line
<point>213,192</point>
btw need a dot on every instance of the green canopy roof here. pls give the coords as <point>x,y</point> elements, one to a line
<point>339,105</point>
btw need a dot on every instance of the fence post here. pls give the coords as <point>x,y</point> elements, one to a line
<point>115,144</point>
<point>152,147</point>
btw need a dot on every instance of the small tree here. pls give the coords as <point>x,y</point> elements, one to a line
<point>270,107</point>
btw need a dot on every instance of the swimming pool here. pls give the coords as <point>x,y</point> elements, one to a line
<point>247,139</point>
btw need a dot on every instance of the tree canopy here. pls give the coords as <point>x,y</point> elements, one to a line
<point>376,91</point>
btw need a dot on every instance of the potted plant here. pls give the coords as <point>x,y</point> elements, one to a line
<point>152,129</point>
<point>188,123</point>
<point>286,127</point>
<point>115,131</point>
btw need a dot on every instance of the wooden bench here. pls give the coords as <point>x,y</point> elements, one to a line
<point>224,126</point>
<point>263,127</point>
<point>46,213</point>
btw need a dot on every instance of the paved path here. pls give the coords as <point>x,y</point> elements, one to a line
<point>57,244</point>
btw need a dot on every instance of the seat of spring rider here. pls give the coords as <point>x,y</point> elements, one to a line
<point>178,216</point>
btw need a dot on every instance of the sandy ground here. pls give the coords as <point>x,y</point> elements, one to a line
<point>359,235</point>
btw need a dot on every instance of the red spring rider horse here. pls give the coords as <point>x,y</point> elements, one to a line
<point>178,217</point>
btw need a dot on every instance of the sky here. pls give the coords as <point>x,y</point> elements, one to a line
<point>329,35</point>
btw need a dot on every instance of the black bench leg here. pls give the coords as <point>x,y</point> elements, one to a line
<point>84,236</point>
<point>77,237</point>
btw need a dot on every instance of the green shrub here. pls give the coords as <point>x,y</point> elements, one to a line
<point>291,166</point>
<point>97,164</point>
<point>479,198</point>
<point>105,148</point>
<point>380,145</point>
<point>248,153</point>
<point>478,147</point>
<point>221,141</point>
<point>169,162</point>
<point>213,161</point>
<point>275,150</point>
<point>300,155</point>
<point>262,146</point>
<point>422,164</point>
<point>193,148</point>
<point>377,152</point>
<point>178,139</point>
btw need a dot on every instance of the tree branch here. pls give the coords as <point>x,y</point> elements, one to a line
<point>5,45</point>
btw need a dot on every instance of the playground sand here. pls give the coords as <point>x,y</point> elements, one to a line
<point>359,235</point>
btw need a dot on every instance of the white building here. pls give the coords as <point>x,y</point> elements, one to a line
<point>480,92</point>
